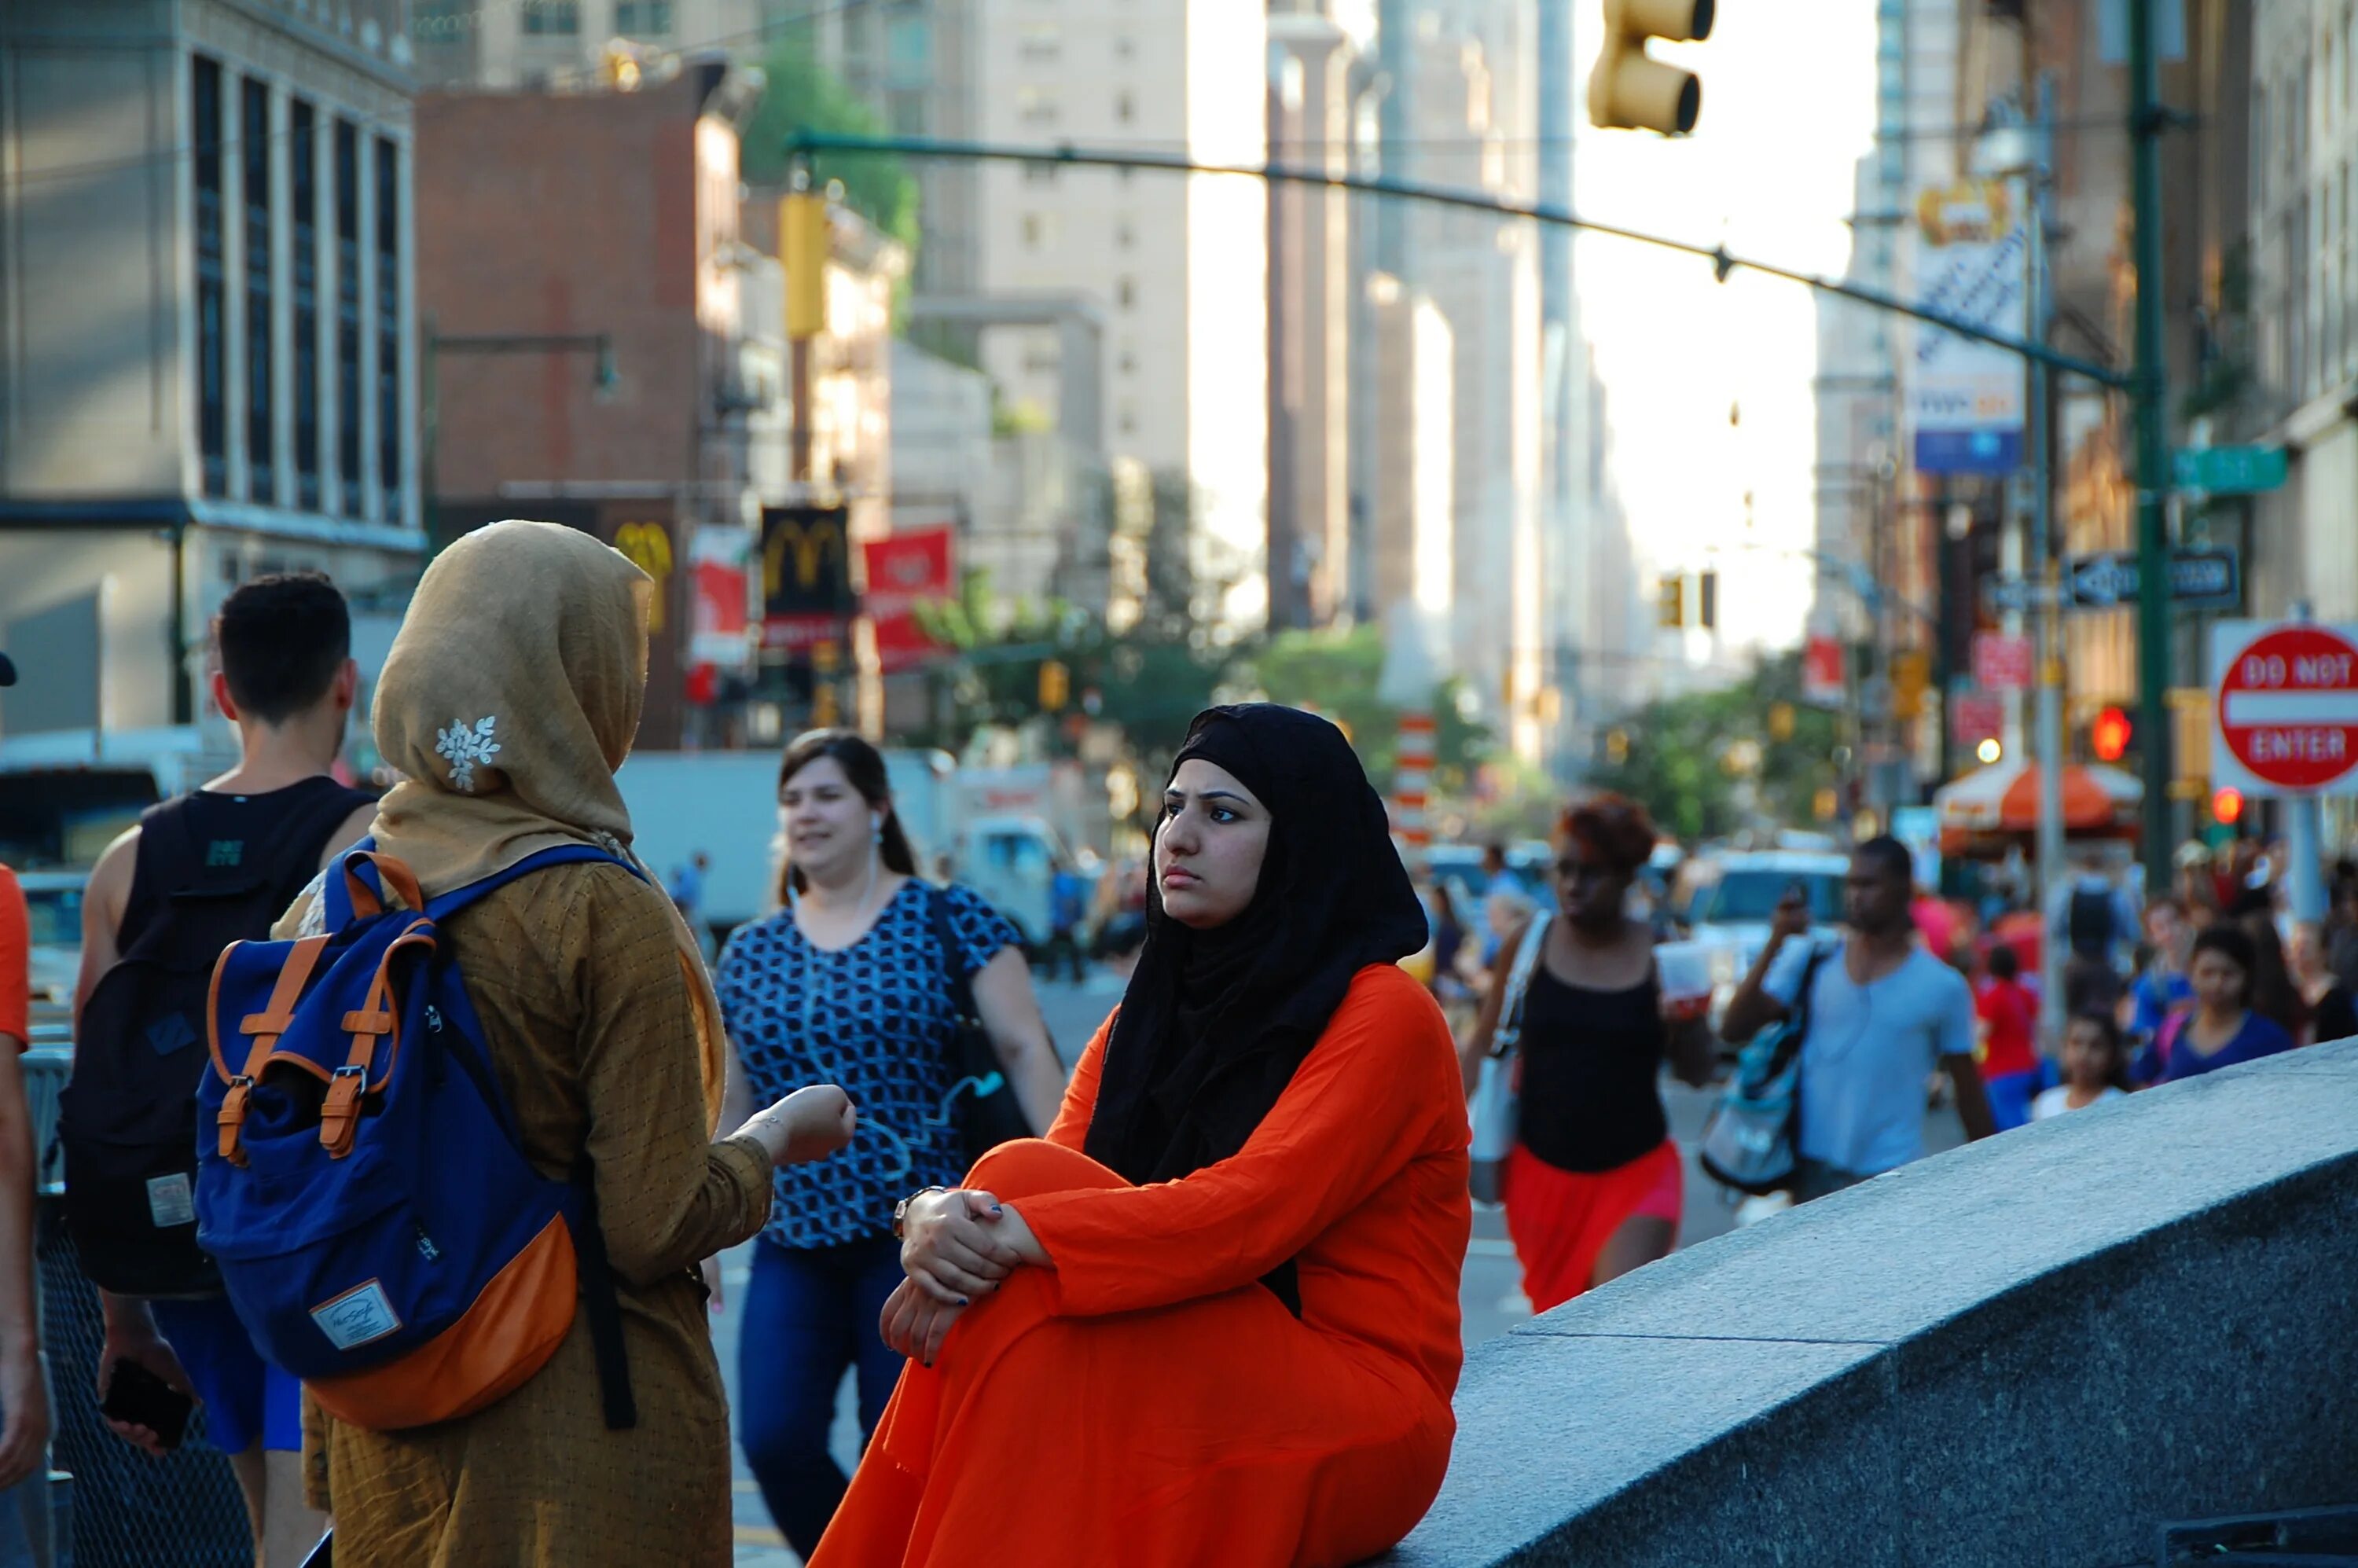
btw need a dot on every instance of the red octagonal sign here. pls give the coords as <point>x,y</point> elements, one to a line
<point>2288,706</point>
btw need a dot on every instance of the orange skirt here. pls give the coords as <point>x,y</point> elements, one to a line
<point>1562,1220</point>
<point>1220,1431</point>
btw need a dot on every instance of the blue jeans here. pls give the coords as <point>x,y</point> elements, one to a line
<point>810,1312</point>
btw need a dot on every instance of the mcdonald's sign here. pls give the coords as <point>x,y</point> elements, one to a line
<point>806,589</point>
<point>648,546</point>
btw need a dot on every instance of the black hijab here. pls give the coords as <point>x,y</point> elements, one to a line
<point>1215,1022</point>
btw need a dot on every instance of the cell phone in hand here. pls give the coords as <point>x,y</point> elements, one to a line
<point>140,1398</point>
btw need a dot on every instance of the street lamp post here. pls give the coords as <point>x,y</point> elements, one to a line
<point>603,374</point>
<point>2148,386</point>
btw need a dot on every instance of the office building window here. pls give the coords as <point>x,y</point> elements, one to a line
<point>303,154</point>
<point>348,318</point>
<point>1040,174</point>
<point>389,329</point>
<point>1125,107</point>
<point>552,18</point>
<point>212,302</point>
<point>1035,106</point>
<point>1042,231</point>
<point>909,51</point>
<point>1040,42</point>
<point>261,403</point>
<point>643,18</point>
<point>1124,47</point>
<point>1125,292</point>
<point>1125,232</point>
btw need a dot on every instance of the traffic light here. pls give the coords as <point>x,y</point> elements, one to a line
<point>2109,735</point>
<point>803,238</point>
<point>1911,677</point>
<point>2227,808</point>
<point>1708,600</point>
<point>1670,602</point>
<point>1781,721</point>
<point>1631,91</point>
<point>1055,685</point>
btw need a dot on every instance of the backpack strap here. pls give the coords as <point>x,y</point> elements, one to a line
<point>264,1028</point>
<point>1509,1035</point>
<point>457,899</point>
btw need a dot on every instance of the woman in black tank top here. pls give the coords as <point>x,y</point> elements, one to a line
<point>1592,1188</point>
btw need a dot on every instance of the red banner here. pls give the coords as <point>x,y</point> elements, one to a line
<point>904,571</point>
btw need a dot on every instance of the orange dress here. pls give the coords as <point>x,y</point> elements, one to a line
<point>1145,1404</point>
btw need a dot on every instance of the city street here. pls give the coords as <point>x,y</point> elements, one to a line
<point>1490,1296</point>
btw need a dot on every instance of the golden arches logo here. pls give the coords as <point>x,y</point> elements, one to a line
<point>809,541</point>
<point>647,546</point>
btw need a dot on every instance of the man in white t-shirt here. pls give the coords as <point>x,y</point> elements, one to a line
<point>1882,1014</point>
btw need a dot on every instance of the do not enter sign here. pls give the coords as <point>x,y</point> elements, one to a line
<point>2287,707</point>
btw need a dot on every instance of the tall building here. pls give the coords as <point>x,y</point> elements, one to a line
<point>1177,264</point>
<point>1465,80</point>
<point>208,362</point>
<point>1319,77</point>
<point>563,43</point>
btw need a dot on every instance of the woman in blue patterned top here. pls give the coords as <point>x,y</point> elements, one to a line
<point>847,984</point>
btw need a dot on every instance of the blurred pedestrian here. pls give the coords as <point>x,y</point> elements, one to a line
<point>850,982</point>
<point>2095,919</point>
<point>1232,1333</point>
<point>1068,907</point>
<point>2220,1028</point>
<point>24,1372</point>
<point>1596,1184</point>
<point>2008,1054</point>
<point>2275,995</point>
<point>1882,1015</point>
<point>687,890</point>
<point>2096,1067</point>
<point>2197,889</point>
<point>1448,939</point>
<point>2161,984</point>
<point>2341,933</point>
<point>600,1024</point>
<point>2333,1015</point>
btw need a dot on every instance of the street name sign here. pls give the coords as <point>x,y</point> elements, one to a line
<point>2230,470</point>
<point>2285,718</point>
<point>2201,577</point>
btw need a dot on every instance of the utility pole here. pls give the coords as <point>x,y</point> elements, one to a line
<point>2049,613</point>
<point>2149,388</point>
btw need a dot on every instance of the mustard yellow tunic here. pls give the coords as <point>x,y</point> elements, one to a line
<point>575,975</point>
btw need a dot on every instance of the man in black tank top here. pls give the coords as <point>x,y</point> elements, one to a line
<point>285,679</point>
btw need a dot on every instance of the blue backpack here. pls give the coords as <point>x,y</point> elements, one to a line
<point>360,1180</point>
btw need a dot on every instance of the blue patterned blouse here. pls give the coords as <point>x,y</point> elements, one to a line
<point>874,1017</point>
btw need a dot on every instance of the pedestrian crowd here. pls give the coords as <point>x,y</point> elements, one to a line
<point>1198,1303</point>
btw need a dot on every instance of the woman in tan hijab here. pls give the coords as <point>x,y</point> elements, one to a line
<point>511,697</point>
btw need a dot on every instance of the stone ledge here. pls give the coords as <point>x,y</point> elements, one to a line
<point>2032,1350</point>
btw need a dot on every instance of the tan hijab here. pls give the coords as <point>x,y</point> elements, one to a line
<point>511,695</point>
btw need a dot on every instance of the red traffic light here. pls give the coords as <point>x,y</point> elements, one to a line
<point>2110,735</point>
<point>2227,807</point>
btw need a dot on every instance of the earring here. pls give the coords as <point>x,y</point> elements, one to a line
<point>876,832</point>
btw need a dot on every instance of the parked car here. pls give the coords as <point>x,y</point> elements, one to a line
<point>1735,897</point>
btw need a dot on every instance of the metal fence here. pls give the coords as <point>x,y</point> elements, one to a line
<point>129,1510</point>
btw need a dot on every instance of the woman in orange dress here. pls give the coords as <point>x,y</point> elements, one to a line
<point>1212,1318</point>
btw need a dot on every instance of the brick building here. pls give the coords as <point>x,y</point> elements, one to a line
<point>579,280</point>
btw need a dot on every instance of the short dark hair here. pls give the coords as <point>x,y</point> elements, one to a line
<point>2003,963</point>
<point>1889,857</point>
<point>281,639</point>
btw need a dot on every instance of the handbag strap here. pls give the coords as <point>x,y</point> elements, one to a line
<point>1510,1033</point>
<point>961,984</point>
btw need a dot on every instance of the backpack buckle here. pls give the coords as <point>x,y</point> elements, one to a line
<point>340,1114</point>
<point>231,1119</point>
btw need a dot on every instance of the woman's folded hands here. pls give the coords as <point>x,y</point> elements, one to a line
<point>956,1247</point>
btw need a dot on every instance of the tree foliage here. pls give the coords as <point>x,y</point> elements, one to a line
<point>804,94</point>
<point>1708,763</point>
<point>1336,673</point>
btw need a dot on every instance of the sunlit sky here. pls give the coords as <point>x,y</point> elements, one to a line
<point>1788,109</point>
